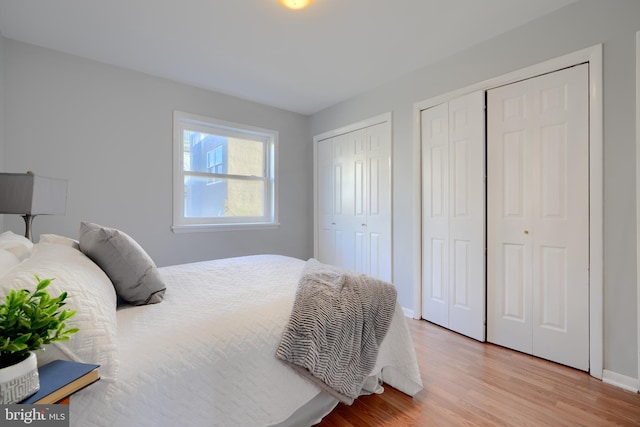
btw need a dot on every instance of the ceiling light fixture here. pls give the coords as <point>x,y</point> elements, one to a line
<point>295,4</point>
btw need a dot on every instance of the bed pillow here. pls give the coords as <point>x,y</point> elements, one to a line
<point>20,246</point>
<point>132,271</point>
<point>59,240</point>
<point>8,260</point>
<point>91,294</point>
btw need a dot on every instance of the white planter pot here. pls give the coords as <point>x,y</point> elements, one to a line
<point>19,381</point>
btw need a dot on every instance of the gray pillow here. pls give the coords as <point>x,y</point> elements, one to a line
<point>132,271</point>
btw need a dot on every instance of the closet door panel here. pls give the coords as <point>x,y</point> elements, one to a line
<point>378,200</point>
<point>344,202</point>
<point>357,190</point>
<point>326,233</point>
<point>509,281</point>
<point>561,219</point>
<point>435,214</point>
<point>467,214</point>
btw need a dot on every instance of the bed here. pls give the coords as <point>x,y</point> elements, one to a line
<point>202,356</point>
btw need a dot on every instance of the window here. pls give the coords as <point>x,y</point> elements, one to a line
<point>215,163</point>
<point>224,174</point>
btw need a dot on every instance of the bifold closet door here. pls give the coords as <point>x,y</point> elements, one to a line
<point>351,155</point>
<point>354,200</point>
<point>538,216</point>
<point>435,214</point>
<point>378,201</point>
<point>327,250</point>
<point>453,170</point>
<point>341,237</point>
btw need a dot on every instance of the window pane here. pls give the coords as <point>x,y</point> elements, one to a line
<point>206,198</point>
<point>205,152</point>
<point>246,157</point>
<point>201,150</point>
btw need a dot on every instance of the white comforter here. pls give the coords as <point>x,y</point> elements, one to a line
<point>205,355</point>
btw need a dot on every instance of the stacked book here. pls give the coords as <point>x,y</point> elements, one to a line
<point>60,379</point>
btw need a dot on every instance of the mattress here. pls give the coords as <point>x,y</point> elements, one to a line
<point>205,356</point>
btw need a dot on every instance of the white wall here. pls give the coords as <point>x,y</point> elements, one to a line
<point>580,25</point>
<point>108,131</point>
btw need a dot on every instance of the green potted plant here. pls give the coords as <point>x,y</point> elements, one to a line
<point>28,321</point>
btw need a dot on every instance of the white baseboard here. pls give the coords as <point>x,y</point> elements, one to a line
<point>619,380</point>
<point>407,312</point>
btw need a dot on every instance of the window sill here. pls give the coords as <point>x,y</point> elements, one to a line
<point>206,228</point>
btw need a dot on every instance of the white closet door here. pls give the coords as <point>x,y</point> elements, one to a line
<point>326,233</point>
<point>354,200</point>
<point>357,146</point>
<point>378,224</point>
<point>509,279</point>
<point>344,203</point>
<point>467,215</point>
<point>538,231</point>
<point>435,214</point>
<point>453,215</point>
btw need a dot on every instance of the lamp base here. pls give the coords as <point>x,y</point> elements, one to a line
<point>28,219</point>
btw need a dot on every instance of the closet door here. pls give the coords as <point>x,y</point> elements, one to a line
<point>354,200</point>
<point>355,193</point>
<point>467,215</point>
<point>326,207</point>
<point>378,201</point>
<point>453,164</point>
<point>538,213</point>
<point>435,214</point>
<point>346,227</point>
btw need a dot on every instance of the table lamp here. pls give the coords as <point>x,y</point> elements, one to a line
<point>29,195</point>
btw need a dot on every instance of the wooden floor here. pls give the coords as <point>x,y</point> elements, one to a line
<point>467,383</point>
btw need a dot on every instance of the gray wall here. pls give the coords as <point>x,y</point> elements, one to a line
<point>583,24</point>
<point>108,131</point>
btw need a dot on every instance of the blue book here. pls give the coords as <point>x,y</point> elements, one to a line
<point>60,379</point>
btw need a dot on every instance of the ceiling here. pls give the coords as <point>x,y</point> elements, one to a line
<point>302,61</point>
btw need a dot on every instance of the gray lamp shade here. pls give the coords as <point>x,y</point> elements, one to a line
<point>26,193</point>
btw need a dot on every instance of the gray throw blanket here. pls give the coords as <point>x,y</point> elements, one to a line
<point>337,324</point>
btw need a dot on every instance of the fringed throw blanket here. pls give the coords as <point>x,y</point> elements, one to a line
<point>337,324</point>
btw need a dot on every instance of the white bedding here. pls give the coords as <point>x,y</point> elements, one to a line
<point>205,355</point>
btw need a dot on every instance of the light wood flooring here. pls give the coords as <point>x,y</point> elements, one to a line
<point>467,383</point>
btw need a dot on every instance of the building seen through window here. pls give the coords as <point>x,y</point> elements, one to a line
<point>221,194</point>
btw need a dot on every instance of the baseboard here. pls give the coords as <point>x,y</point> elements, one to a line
<point>407,312</point>
<point>619,380</point>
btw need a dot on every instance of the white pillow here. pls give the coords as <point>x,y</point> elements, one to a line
<point>59,240</point>
<point>91,294</point>
<point>20,246</point>
<point>8,260</point>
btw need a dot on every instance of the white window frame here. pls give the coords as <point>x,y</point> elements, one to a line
<point>185,121</point>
